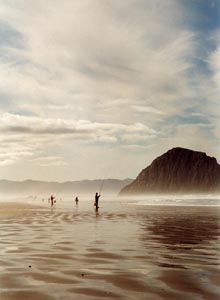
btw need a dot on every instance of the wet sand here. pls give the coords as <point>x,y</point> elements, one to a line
<point>13,209</point>
<point>122,252</point>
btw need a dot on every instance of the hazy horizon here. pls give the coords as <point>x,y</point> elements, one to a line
<point>56,181</point>
<point>98,89</point>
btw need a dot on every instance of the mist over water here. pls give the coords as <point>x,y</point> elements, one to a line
<point>150,200</point>
<point>178,200</point>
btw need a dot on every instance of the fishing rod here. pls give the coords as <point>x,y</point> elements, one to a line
<point>101,186</point>
<point>59,190</point>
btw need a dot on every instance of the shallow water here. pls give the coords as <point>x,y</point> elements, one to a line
<point>125,251</point>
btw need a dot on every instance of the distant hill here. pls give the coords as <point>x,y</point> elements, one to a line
<point>178,170</point>
<point>32,187</point>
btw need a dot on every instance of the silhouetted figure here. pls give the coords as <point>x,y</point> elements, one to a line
<point>76,200</point>
<point>96,204</point>
<point>52,201</point>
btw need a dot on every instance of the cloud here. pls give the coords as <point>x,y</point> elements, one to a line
<point>6,162</point>
<point>137,147</point>
<point>147,109</point>
<point>214,63</point>
<point>102,50</point>
<point>13,150</point>
<point>11,123</point>
<point>55,161</point>
<point>29,136</point>
<point>107,75</point>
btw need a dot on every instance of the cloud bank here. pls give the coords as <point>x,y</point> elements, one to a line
<point>124,79</point>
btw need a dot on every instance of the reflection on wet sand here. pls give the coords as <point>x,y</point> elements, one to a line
<point>186,226</point>
<point>123,252</point>
<point>184,242</point>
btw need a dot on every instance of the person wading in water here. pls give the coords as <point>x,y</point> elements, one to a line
<point>52,200</point>
<point>96,203</point>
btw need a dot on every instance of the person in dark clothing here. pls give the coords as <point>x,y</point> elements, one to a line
<point>76,200</point>
<point>52,201</point>
<point>96,204</point>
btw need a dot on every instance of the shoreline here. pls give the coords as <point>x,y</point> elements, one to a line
<point>121,252</point>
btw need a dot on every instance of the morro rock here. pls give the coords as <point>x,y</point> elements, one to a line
<point>177,171</point>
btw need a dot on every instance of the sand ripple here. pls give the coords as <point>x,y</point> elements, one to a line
<point>123,252</point>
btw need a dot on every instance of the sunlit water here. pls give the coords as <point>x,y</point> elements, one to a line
<point>154,248</point>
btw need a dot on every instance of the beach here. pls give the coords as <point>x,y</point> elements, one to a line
<point>123,251</point>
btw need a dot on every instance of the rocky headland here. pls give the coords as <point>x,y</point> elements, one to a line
<point>178,170</point>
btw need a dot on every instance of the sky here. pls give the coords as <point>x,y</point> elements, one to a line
<point>99,88</point>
